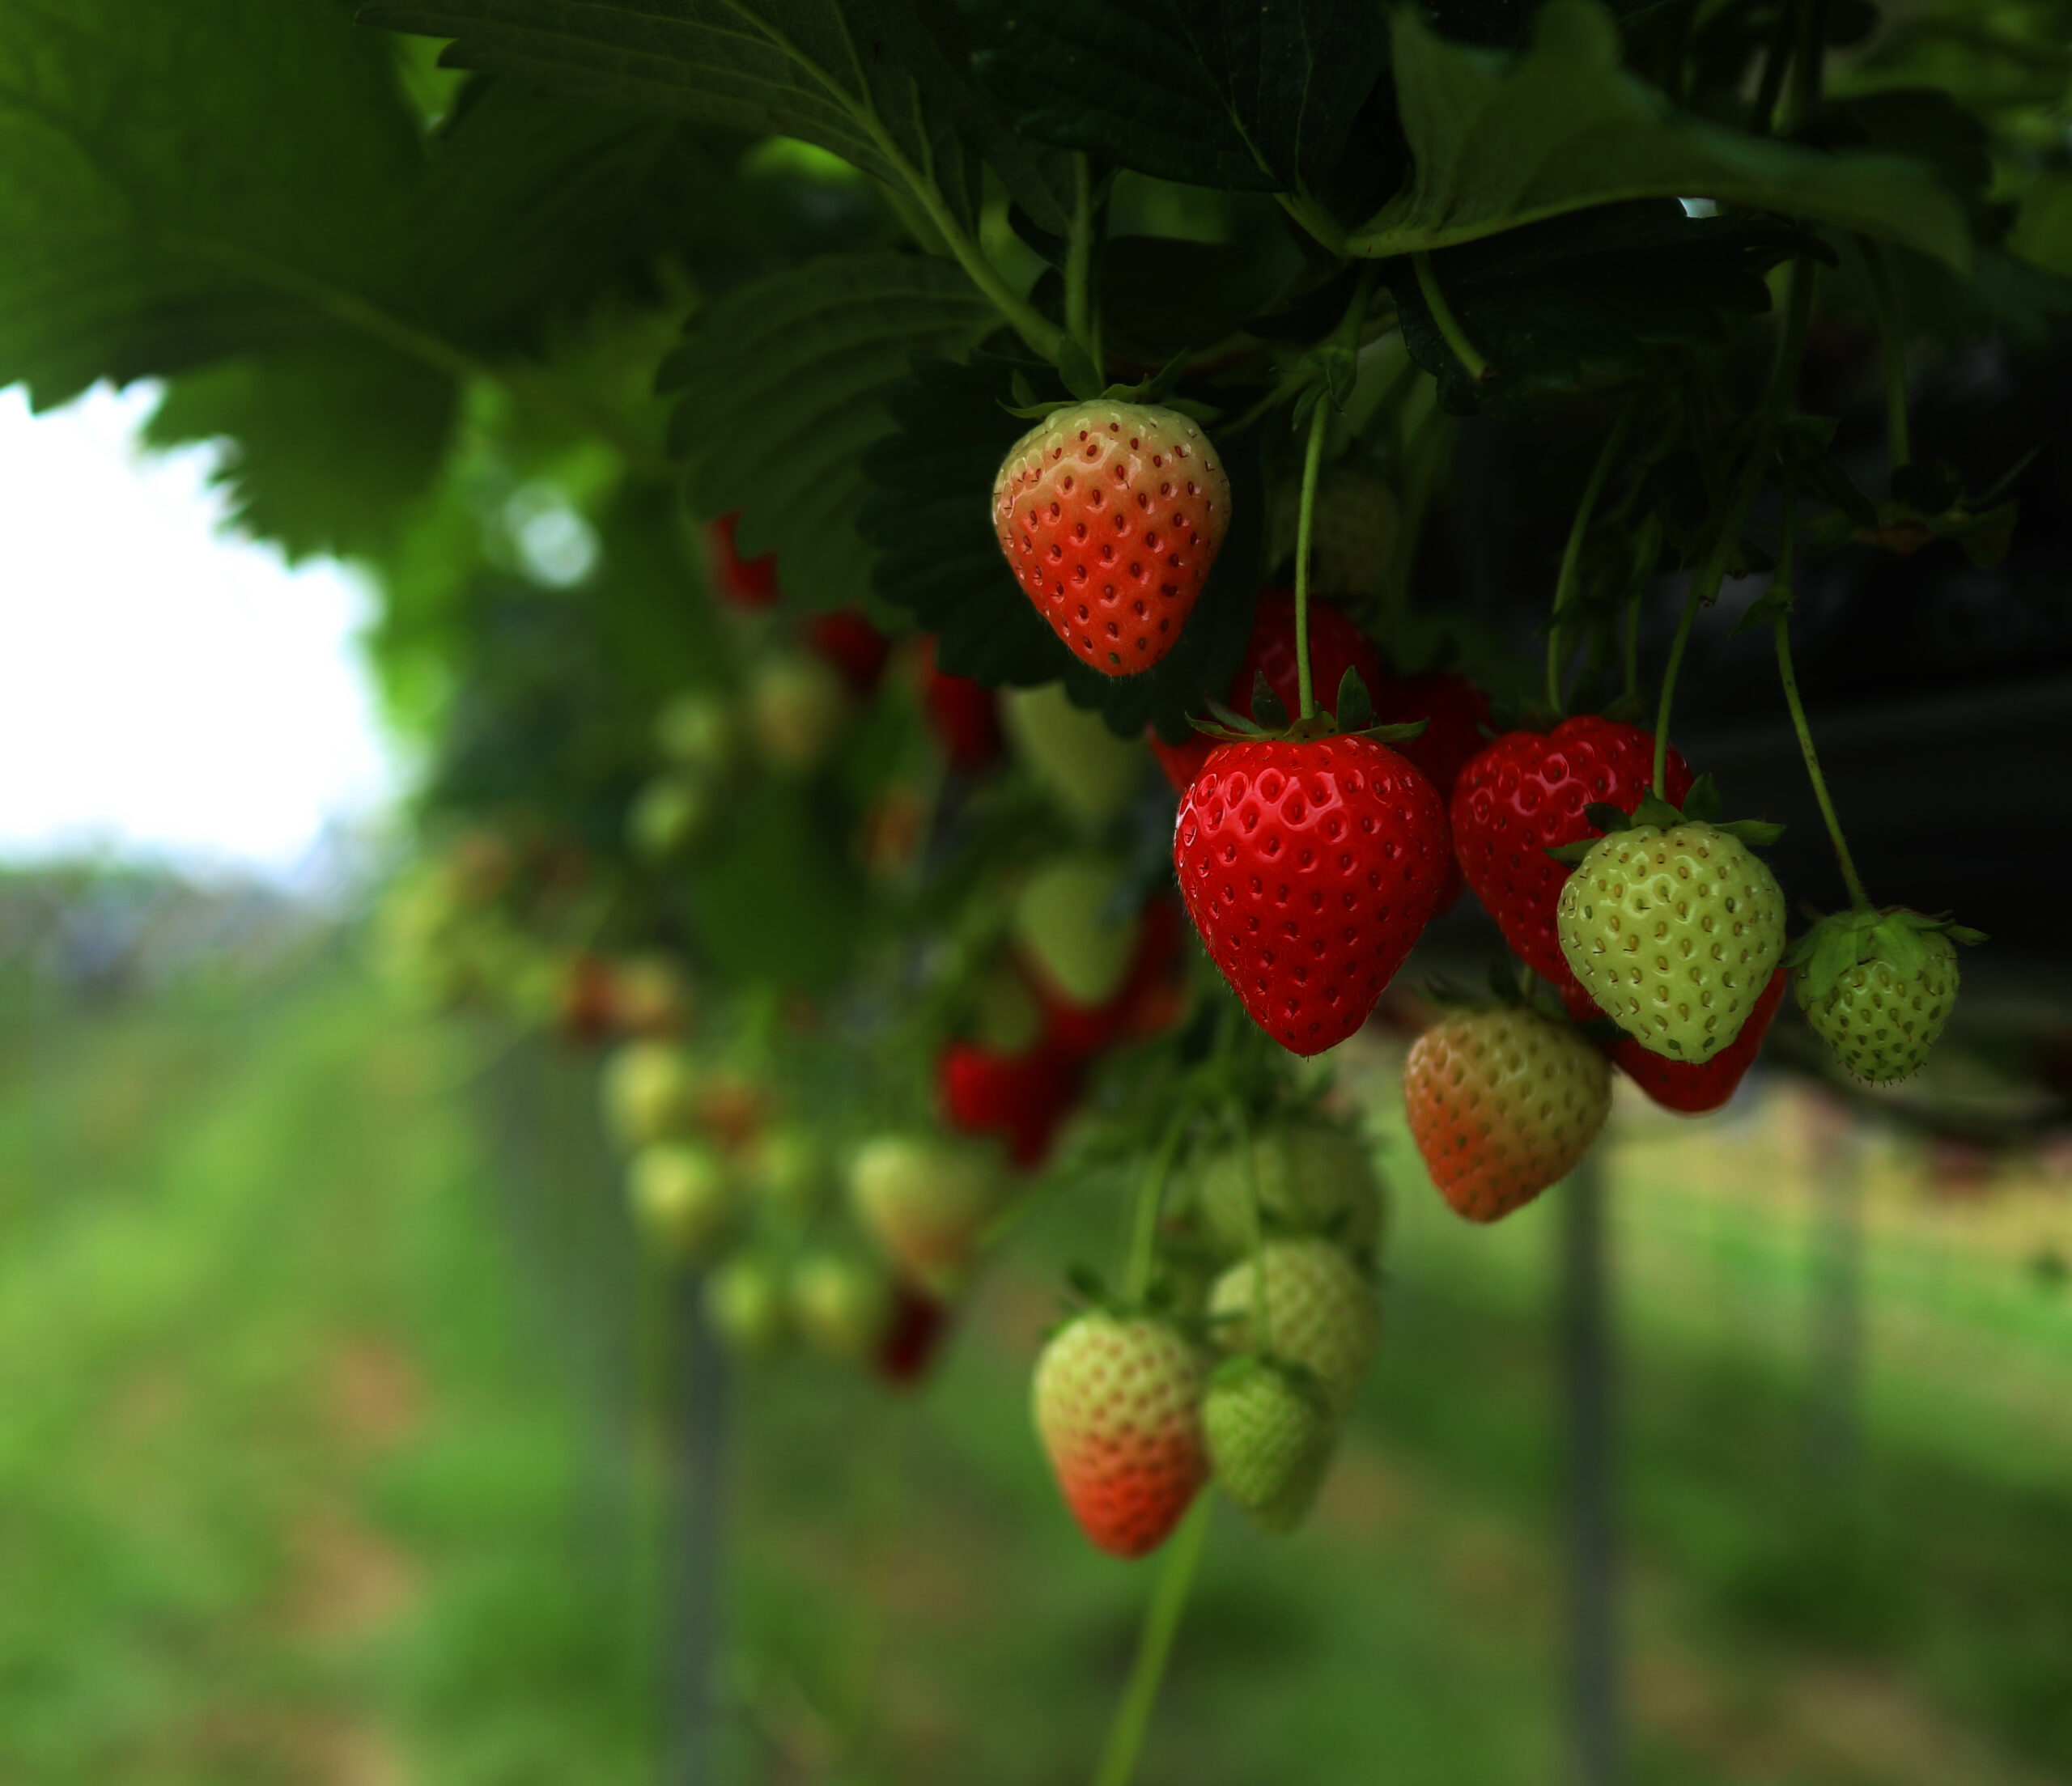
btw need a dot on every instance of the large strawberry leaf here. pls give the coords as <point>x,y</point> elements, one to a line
<point>868,79</point>
<point>1215,92</point>
<point>1592,290</point>
<point>930,518</point>
<point>1499,143</point>
<point>783,383</point>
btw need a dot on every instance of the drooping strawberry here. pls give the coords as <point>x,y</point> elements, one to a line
<point>1878,986</point>
<point>1675,931</point>
<point>1271,1430</point>
<point>1117,1403</point>
<point>1299,1175</point>
<point>1525,795</point>
<point>1310,868</point>
<point>1336,645</point>
<point>1502,1103</point>
<point>1454,711</point>
<point>736,581</point>
<point>1696,1087</point>
<point>926,1200</point>
<point>1110,515</point>
<point>1020,1098</point>
<point>1319,1313</point>
<point>964,715</point>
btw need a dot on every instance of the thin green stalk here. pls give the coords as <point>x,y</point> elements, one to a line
<point>1891,338</point>
<point>1572,555</point>
<point>1079,259</point>
<point>1161,1621</point>
<point>1442,316</point>
<point>1781,628</point>
<point>1704,585</point>
<point>1312,460</point>
<point>1808,61</point>
<point>1762,118</point>
<point>1151,1193</point>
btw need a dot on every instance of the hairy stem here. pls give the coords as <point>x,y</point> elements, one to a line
<point>1572,555</point>
<point>1443,318</point>
<point>1705,583</point>
<point>1161,1621</point>
<point>1312,460</point>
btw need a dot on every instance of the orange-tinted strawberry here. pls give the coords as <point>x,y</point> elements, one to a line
<point>1110,515</point>
<point>1118,1407</point>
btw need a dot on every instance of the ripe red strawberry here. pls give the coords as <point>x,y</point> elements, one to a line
<point>1111,514</point>
<point>1336,645</point>
<point>1502,1103</point>
<point>1454,711</point>
<point>964,715</point>
<point>1309,868</point>
<point>1117,1406</point>
<point>846,638</point>
<point>736,581</point>
<point>1693,1088</point>
<point>926,1200</point>
<point>912,1334</point>
<point>1021,1098</point>
<point>1523,796</point>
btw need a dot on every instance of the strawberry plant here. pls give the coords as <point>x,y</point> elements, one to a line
<point>820,459</point>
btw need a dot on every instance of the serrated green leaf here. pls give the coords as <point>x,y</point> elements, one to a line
<point>783,385</point>
<point>1080,376</point>
<point>1545,303</point>
<point>1499,143</point>
<point>866,79</point>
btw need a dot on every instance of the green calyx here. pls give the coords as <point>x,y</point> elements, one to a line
<point>1701,807</point>
<point>1082,378</point>
<point>1269,718</point>
<point>1845,940</point>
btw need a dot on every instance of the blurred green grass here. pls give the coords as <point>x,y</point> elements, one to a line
<point>328,1455</point>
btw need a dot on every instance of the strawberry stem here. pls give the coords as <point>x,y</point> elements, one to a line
<point>1151,1193</point>
<point>1079,262</point>
<point>1891,338</point>
<point>1161,1621</point>
<point>1564,584</point>
<point>1781,628</point>
<point>1443,319</point>
<point>1312,460</point>
<point>1704,585</point>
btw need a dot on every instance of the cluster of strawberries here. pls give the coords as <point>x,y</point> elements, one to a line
<point>1312,855</point>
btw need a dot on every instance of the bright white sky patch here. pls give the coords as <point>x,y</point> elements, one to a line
<point>168,690</point>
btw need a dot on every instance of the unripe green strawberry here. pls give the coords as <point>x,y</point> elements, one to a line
<point>683,1196</point>
<point>1110,515</point>
<point>699,733</point>
<point>667,815</point>
<point>1675,932</point>
<point>743,1300</point>
<point>1270,1431</point>
<point>1117,1403</point>
<point>1351,531</point>
<point>1083,765</point>
<point>1502,1103</point>
<point>1068,927</point>
<point>788,1168</point>
<point>840,1305</point>
<point>1320,1312</point>
<point>926,1200</point>
<point>1877,988</point>
<point>795,707</point>
<point>648,1089</point>
<point>1311,1177</point>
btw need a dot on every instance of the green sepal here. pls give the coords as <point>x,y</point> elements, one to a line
<point>1267,707</point>
<point>1845,939</point>
<point>1355,706</point>
<point>1075,366</point>
<point>1570,855</point>
<point>1702,802</point>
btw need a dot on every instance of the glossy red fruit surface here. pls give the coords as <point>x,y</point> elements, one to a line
<point>1020,1098</point>
<point>1524,794</point>
<point>1310,870</point>
<point>964,715</point>
<point>736,581</point>
<point>1693,1088</point>
<point>1336,645</point>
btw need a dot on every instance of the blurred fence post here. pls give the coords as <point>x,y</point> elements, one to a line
<point>693,1687</point>
<point>1832,1435</point>
<point>1595,1747</point>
